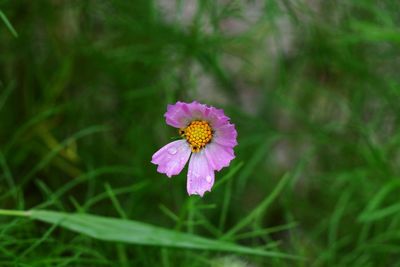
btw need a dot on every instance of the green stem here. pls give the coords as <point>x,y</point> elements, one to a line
<point>22,213</point>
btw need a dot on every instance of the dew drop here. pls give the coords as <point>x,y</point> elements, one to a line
<point>172,150</point>
<point>208,179</point>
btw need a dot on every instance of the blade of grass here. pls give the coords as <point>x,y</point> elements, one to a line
<point>7,174</point>
<point>134,232</point>
<point>267,231</point>
<point>6,93</point>
<point>19,213</point>
<point>371,212</point>
<point>335,223</point>
<point>261,208</point>
<point>8,24</point>
<point>38,241</point>
<point>225,205</point>
<point>122,190</point>
<point>380,214</point>
<point>85,132</point>
<point>115,202</point>
<point>27,126</point>
<point>84,178</point>
<point>258,156</point>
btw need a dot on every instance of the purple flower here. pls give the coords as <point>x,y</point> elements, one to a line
<point>208,139</point>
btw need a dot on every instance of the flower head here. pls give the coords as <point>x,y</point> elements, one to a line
<point>208,139</point>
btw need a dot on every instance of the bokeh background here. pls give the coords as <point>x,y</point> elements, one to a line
<point>313,88</point>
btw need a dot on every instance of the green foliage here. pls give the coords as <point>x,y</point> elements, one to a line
<point>312,87</point>
<point>128,231</point>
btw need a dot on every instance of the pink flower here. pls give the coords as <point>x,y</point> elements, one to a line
<point>208,139</point>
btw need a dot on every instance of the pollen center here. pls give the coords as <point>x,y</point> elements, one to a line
<point>198,134</point>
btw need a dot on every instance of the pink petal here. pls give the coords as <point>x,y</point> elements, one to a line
<point>196,110</point>
<point>172,157</point>
<point>177,115</point>
<point>225,135</point>
<point>200,175</point>
<point>218,156</point>
<point>181,114</point>
<point>216,117</point>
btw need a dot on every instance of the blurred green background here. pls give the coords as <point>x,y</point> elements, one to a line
<point>313,88</point>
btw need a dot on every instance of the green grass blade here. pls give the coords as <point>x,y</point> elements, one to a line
<point>372,211</point>
<point>10,27</point>
<point>260,208</point>
<point>6,93</point>
<point>133,232</point>
<point>380,214</point>
<point>82,133</point>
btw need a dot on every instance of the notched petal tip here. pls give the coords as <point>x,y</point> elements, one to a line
<point>198,194</point>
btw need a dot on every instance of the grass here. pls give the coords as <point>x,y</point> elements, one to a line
<point>313,89</point>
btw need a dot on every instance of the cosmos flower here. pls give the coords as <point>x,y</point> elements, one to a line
<point>208,139</point>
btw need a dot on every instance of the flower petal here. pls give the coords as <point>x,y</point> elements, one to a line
<point>216,117</point>
<point>177,115</point>
<point>172,157</point>
<point>225,135</point>
<point>200,175</point>
<point>218,156</point>
<point>196,110</point>
<point>181,114</point>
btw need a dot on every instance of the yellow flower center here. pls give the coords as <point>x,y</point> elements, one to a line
<point>198,134</point>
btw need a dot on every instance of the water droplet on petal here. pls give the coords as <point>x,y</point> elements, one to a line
<point>172,150</point>
<point>208,179</point>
